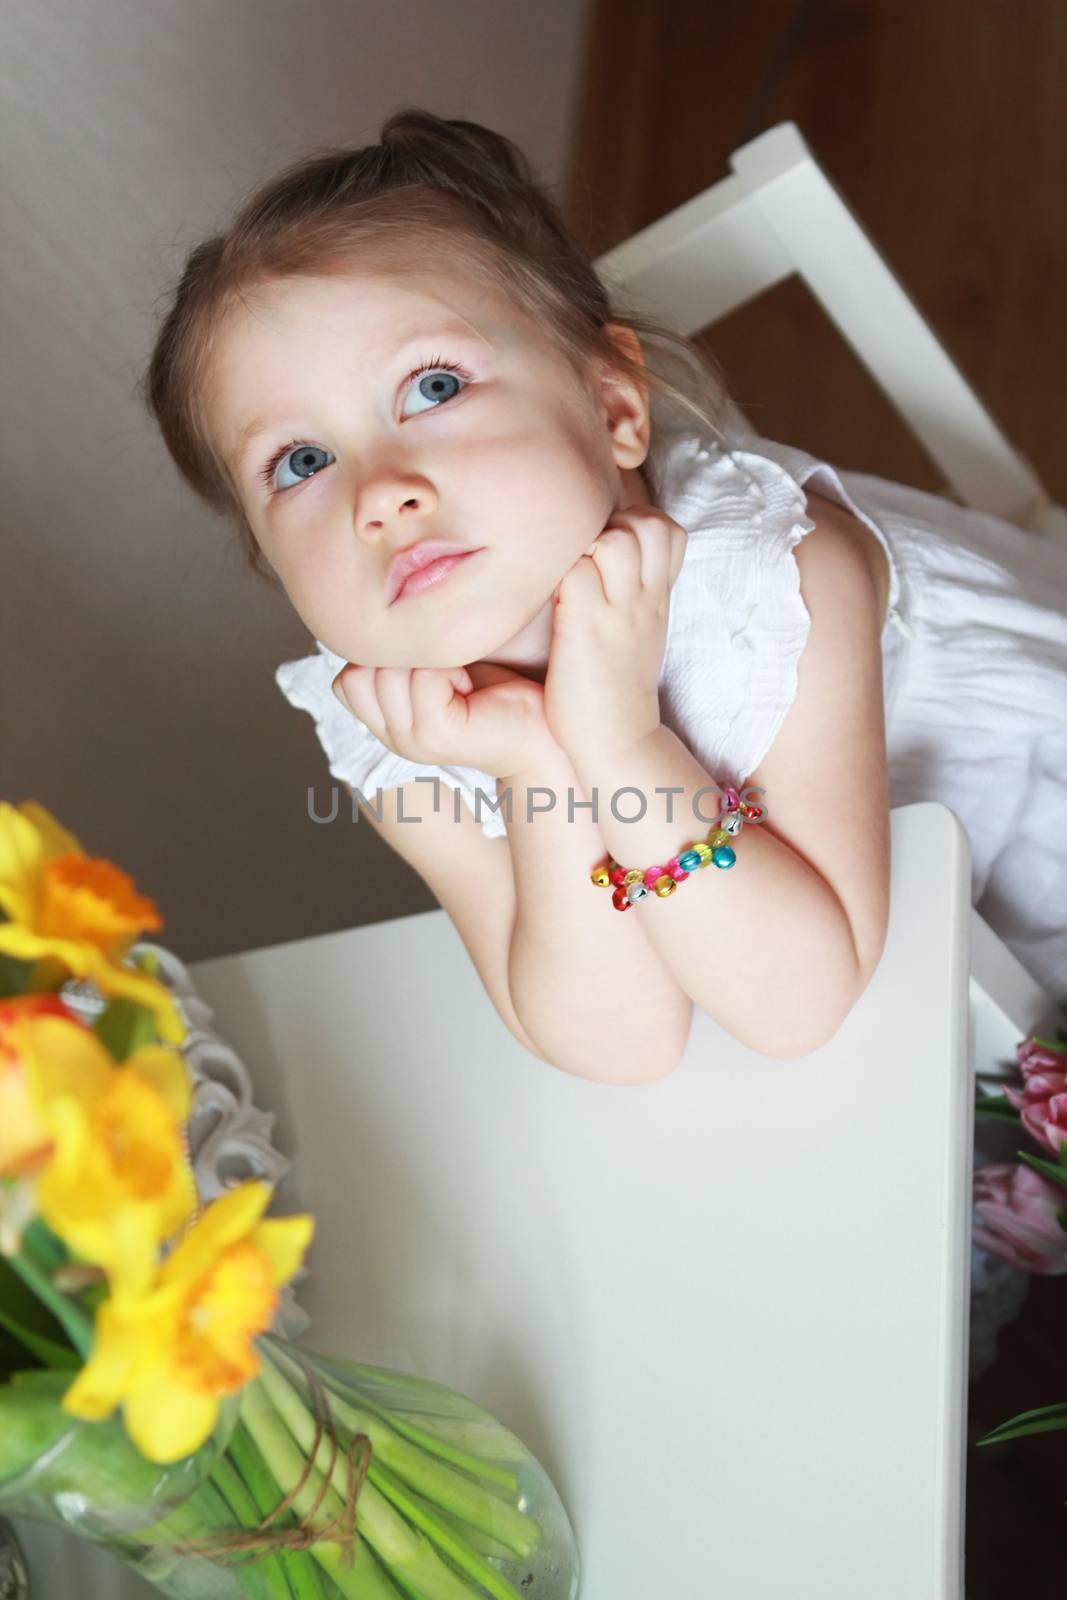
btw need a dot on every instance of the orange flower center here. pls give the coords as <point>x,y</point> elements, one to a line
<point>83,897</point>
<point>223,1312</point>
<point>136,1129</point>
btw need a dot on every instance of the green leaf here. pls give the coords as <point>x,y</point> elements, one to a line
<point>48,1352</point>
<point>1057,1173</point>
<point>73,1320</point>
<point>26,1319</point>
<point>1045,1420</point>
<point>125,1026</point>
<point>14,975</point>
<point>1051,1044</point>
<point>12,1357</point>
<point>148,962</point>
<point>47,1249</point>
<point>1061,1218</point>
<point>30,1418</point>
<point>995,1108</point>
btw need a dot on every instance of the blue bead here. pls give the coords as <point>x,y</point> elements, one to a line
<point>723,856</point>
<point>690,860</point>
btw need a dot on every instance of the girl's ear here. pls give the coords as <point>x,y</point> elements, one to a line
<point>625,403</point>
<point>627,340</point>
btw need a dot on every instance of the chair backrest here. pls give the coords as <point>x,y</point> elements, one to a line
<point>777,214</point>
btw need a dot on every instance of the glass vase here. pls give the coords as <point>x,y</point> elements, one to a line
<point>322,1479</point>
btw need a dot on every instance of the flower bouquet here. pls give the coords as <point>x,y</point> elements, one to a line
<point>1023,1208</point>
<point>144,1402</point>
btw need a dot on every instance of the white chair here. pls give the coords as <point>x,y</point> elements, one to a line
<point>778,214</point>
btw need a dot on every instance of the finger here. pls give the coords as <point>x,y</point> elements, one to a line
<point>354,688</point>
<point>434,693</point>
<point>580,588</point>
<point>487,674</point>
<point>617,556</point>
<point>653,538</point>
<point>392,685</point>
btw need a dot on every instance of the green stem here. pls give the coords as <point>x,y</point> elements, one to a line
<point>71,1317</point>
<point>469,1501</point>
<point>493,1438</point>
<point>484,1543</point>
<point>263,1496</point>
<point>152,1550</point>
<point>268,1573</point>
<point>400,1547</point>
<point>445,1537</point>
<point>477,1466</point>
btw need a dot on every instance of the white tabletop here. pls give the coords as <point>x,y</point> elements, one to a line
<point>728,1310</point>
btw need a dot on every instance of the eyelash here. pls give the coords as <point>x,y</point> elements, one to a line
<point>266,473</point>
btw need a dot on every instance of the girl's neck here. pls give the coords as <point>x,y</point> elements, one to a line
<point>528,651</point>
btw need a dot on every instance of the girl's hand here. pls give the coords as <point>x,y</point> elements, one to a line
<point>609,633</point>
<point>482,716</point>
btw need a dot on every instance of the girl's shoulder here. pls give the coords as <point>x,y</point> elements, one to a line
<point>743,498</point>
<point>738,623</point>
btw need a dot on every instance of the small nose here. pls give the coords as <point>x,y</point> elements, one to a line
<point>389,505</point>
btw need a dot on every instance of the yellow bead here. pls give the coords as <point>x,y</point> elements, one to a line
<point>703,851</point>
<point>601,877</point>
<point>633,876</point>
<point>716,837</point>
<point>665,885</point>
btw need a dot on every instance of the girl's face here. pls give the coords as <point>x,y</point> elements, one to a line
<point>507,456</point>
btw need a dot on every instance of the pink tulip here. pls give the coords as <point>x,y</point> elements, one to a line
<point>1043,1097</point>
<point>1019,1208</point>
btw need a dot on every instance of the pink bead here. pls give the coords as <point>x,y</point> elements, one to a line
<point>677,873</point>
<point>730,800</point>
<point>652,874</point>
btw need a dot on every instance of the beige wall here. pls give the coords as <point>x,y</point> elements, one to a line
<point>137,698</point>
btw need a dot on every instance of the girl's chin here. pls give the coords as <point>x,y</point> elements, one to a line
<point>524,647</point>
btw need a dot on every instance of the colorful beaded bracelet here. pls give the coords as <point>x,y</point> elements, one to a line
<point>631,884</point>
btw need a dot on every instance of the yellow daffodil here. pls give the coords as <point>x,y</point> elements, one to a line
<point>117,1183</point>
<point>25,1144</point>
<point>78,912</point>
<point>168,1355</point>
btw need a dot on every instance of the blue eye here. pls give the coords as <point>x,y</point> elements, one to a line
<point>441,382</point>
<point>303,464</point>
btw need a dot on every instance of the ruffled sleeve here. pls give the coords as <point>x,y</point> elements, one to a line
<point>358,757</point>
<point>738,623</point>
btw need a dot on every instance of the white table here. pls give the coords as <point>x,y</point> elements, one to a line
<point>728,1311</point>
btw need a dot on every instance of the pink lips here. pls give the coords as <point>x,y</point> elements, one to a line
<point>422,565</point>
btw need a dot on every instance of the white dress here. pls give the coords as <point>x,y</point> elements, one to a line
<point>974,656</point>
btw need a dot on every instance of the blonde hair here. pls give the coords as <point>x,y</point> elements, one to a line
<point>452,183</point>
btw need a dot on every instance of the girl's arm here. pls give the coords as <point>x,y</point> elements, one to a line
<point>525,923</point>
<point>778,947</point>
<point>589,987</point>
<point>541,952</point>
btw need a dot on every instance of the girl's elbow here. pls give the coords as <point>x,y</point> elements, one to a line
<point>616,1070</point>
<point>819,1024</point>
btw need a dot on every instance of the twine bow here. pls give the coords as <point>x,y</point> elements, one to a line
<point>341,1529</point>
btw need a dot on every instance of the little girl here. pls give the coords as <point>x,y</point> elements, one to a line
<point>397,354</point>
<point>545,572</point>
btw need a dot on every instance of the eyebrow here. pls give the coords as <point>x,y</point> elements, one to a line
<point>260,425</point>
